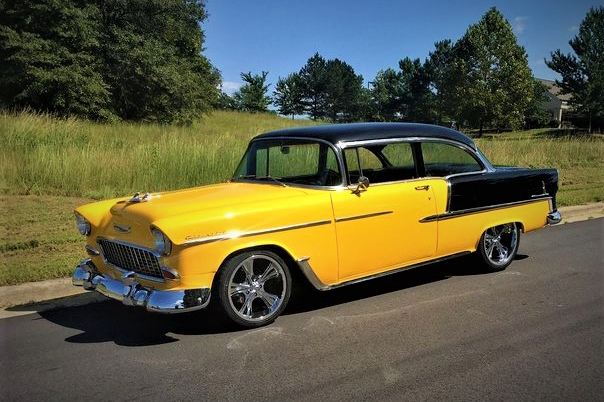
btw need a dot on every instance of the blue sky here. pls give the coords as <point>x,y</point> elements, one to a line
<point>280,35</point>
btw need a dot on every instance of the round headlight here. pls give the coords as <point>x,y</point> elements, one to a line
<point>162,243</point>
<point>83,225</point>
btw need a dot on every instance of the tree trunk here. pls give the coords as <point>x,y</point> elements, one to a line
<point>480,130</point>
<point>589,129</point>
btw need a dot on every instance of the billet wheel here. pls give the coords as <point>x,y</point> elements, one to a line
<point>498,245</point>
<point>254,287</point>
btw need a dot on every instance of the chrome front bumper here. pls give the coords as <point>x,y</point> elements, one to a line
<point>132,293</point>
<point>554,218</point>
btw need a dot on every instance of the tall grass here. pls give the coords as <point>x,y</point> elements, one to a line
<point>42,155</point>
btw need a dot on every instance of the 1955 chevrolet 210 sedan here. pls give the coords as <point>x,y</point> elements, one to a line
<point>340,203</point>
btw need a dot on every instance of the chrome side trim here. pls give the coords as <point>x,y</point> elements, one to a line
<point>469,211</point>
<point>316,282</point>
<point>370,215</point>
<point>234,234</point>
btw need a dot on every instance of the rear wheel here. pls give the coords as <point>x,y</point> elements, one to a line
<point>254,288</point>
<point>498,245</point>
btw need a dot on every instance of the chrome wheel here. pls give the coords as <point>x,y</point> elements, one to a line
<point>500,244</point>
<point>257,288</point>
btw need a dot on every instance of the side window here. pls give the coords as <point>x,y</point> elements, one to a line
<point>381,164</point>
<point>444,159</point>
<point>399,154</point>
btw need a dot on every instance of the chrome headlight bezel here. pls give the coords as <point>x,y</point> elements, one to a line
<point>83,225</point>
<point>162,243</point>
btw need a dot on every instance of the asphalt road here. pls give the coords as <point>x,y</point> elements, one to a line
<point>442,332</point>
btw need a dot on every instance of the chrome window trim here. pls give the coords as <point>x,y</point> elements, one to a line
<point>336,150</point>
<point>236,234</point>
<point>470,211</point>
<point>476,154</point>
<point>156,253</point>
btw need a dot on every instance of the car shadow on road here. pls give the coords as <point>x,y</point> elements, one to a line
<point>110,321</point>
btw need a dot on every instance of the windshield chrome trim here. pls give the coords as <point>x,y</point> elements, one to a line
<point>234,234</point>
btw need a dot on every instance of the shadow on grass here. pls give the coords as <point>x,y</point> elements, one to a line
<point>110,321</point>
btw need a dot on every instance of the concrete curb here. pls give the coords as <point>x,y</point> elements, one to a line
<point>33,297</point>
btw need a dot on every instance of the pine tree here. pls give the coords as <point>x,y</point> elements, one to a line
<point>314,80</point>
<point>252,96</point>
<point>288,95</point>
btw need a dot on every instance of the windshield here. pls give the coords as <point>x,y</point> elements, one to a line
<point>290,162</point>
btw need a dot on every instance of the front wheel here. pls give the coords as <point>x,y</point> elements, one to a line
<point>254,288</point>
<point>498,246</point>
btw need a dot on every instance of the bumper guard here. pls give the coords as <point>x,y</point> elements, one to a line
<point>554,218</point>
<point>132,293</point>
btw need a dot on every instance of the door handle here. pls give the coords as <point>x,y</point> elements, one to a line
<point>426,187</point>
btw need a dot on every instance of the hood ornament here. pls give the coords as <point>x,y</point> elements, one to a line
<point>137,197</point>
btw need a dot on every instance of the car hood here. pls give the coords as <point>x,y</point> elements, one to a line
<point>225,196</point>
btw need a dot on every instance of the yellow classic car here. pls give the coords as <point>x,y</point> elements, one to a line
<point>340,203</point>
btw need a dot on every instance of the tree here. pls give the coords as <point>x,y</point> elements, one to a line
<point>343,91</point>
<point>104,59</point>
<point>497,86</point>
<point>386,94</point>
<point>583,73</point>
<point>313,78</point>
<point>252,96</point>
<point>535,116</point>
<point>445,83</point>
<point>47,58</point>
<point>288,95</point>
<point>417,98</point>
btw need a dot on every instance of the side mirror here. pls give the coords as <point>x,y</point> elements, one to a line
<point>362,185</point>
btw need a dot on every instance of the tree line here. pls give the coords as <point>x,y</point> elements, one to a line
<point>482,80</point>
<point>107,60</point>
<point>142,60</point>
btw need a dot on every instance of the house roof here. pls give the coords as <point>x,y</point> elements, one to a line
<point>554,89</point>
<point>335,133</point>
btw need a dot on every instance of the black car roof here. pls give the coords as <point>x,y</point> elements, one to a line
<point>335,133</point>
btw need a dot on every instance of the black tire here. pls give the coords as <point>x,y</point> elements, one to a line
<point>246,298</point>
<point>498,246</point>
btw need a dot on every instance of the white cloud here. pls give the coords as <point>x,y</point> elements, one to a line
<point>573,28</point>
<point>230,87</point>
<point>519,24</point>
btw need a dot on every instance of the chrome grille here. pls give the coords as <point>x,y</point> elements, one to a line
<point>131,258</point>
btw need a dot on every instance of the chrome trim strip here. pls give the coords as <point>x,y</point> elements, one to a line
<point>316,282</point>
<point>469,211</point>
<point>370,215</point>
<point>122,228</point>
<point>91,251</point>
<point>236,234</point>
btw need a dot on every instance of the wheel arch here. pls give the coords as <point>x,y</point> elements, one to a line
<point>295,269</point>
